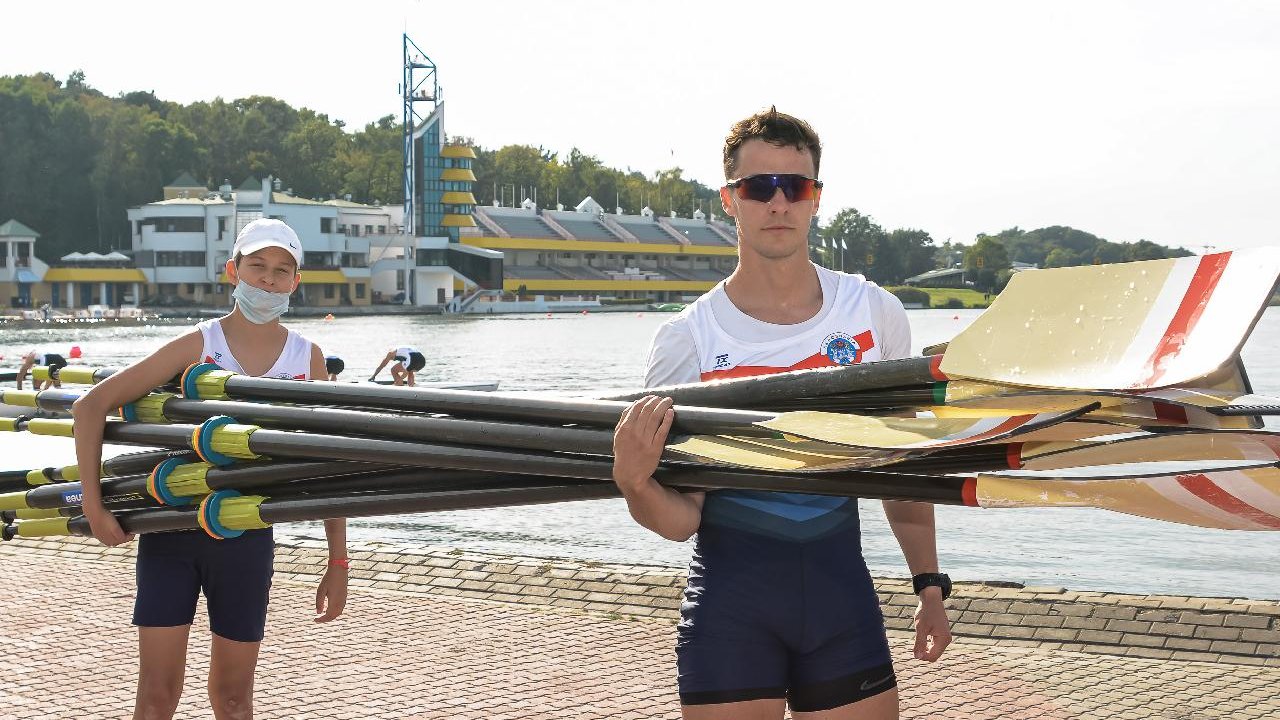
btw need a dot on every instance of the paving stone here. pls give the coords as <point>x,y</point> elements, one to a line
<point>1099,636</point>
<point>1217,633</point>
<point>1197,618</point>
<point>428,653</point>
<point>1116,613</point>
<point>1128,626</point>
<point>1257,622</point>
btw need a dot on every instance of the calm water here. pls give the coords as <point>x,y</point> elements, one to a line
<point>576,354</point>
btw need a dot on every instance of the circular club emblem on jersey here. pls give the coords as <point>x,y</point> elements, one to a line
<point>841,349</point>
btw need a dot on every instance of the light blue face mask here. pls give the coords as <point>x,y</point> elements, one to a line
<point>259,306</point>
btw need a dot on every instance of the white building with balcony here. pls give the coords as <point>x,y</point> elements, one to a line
<point>21,272</point>
<point>181,244</point>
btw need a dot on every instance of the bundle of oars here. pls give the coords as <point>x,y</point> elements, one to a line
<point>1117,387</point>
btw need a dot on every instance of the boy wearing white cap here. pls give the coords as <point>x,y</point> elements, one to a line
<point>174,568</point>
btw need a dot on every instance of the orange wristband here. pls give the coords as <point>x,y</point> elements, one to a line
<point>344,563</point>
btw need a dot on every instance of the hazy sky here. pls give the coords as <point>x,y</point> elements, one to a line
<point>1157,120</point>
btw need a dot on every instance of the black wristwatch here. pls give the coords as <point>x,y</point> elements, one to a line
<point>938,580</point>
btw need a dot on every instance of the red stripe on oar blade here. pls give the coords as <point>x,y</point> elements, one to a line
<point>969,492</point>
<point>1170,412</point>
<point>935,368</point>
<point>1203,282</point>
<point>1209,491</point>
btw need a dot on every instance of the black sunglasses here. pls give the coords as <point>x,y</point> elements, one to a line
<point>761,188</point>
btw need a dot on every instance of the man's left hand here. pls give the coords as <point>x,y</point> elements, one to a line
<point>933,628</point>
<point>331,595</point>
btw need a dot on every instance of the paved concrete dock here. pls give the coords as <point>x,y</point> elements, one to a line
<point>460,635</point>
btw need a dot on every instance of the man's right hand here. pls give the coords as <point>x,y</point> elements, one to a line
<point>106,529</point>
<point>639,440</point>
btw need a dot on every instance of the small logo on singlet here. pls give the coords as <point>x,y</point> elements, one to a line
<point>841,349</point>
<point>722,361</point>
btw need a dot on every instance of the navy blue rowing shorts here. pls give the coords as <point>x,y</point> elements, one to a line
<point>54,363</point>
<point>234,574</point>
<point>767,618</point>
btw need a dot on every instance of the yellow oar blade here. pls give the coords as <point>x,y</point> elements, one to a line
<point>1126,326</point>
<point>1231,500</point>
<point>1114,409</point>
<point>786,454</point>
<point>924,434</point>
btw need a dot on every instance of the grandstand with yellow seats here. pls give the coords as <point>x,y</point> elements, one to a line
<point>589,252</point>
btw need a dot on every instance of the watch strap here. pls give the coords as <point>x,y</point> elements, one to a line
<point>939,580</point>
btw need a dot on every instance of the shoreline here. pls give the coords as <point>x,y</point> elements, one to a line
<point>196,314</point>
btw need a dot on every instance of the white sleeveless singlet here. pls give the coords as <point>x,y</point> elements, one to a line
<point>294,362</point>
<point>847,336</point>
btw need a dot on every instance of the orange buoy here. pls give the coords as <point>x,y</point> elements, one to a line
<point>329,316</point>
<point>75,351</point>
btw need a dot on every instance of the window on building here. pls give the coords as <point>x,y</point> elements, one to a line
<point>360,291</point>
<point>315,259</point>
<point>382,229</point>
<point>222,225</point>
<point>368,229</point>
<point>566,256</point>
<point>174,258</point>
<point>342,229</point>
<point>175,224</point>
<point>191,288</point>
<point>326,225</point>
<point>436,258</point>
<point>329,291</point>
<point>219,288</point>
<point>355,231</point>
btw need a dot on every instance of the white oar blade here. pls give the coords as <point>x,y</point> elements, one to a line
<point>1231,500</point>
<point>1165,447</point>
<point>1115,471</point>
<point>1126,326</point>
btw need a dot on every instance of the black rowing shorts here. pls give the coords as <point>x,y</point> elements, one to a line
<point>234,575</point>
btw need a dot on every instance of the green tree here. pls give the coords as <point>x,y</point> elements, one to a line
<point>984,261</point>
<point>1061,257</point>
<point>854,239</point>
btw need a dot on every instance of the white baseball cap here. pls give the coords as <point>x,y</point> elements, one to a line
<point>268,233</point>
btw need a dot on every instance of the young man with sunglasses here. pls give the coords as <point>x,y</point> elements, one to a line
<point>779,607</point>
